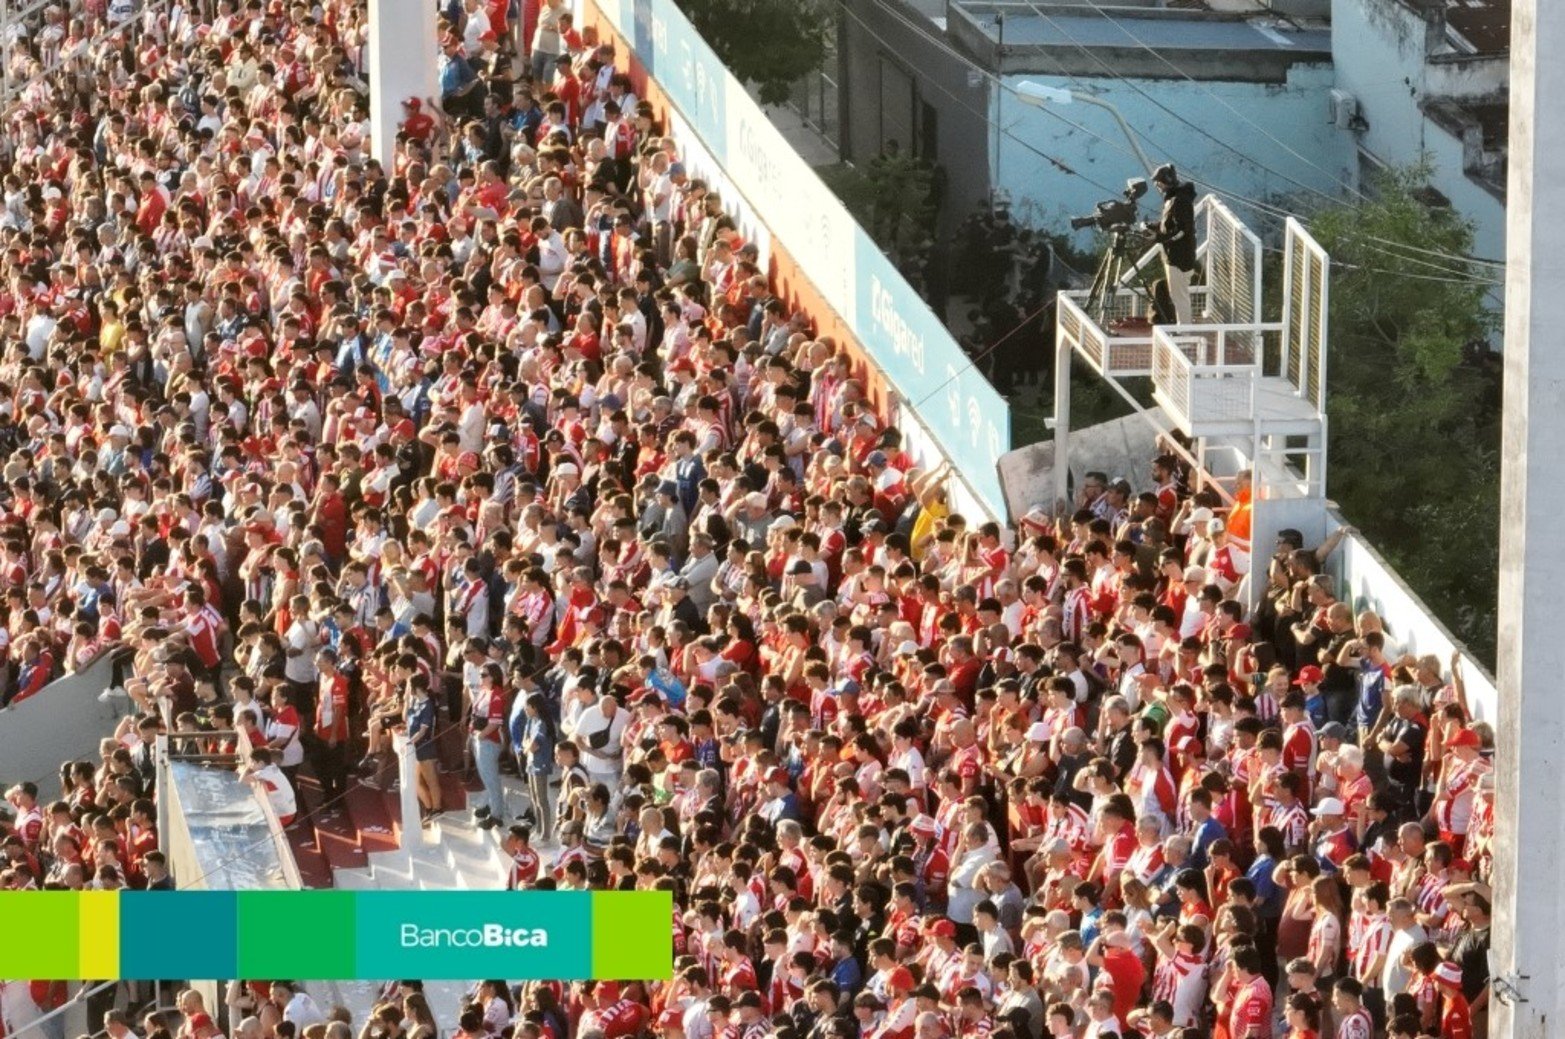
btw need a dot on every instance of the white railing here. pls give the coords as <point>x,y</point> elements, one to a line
<point>1120,346</point>
<point>413,831</point>
<point>1207,373</point>
<point>1110,347</point>
<point>1306,283</point>
<point>1230,255</point>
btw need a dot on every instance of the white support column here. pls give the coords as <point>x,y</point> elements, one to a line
<point>1063,356</point>
<point>403,57</point>
<point>1529,915</point>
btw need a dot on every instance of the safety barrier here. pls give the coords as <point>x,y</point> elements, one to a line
<point>61,722</point>
<point>219,834</point>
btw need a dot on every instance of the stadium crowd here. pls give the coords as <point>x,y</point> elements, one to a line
<point>513,437</point>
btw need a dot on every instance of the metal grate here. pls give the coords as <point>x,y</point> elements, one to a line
<point>1306,281</point>
<point>1233,266</point>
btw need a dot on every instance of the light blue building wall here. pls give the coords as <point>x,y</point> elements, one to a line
<point>1310,152</point>
<point>1395,62</point>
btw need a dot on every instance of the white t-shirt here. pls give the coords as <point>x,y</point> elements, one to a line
<point>301,637</point>
<point>293,748</point>
<point>302,1011</point>
<point>280,793</point>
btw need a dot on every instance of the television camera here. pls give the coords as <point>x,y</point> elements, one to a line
<point>1128,240</point>
<point>1116,214</point>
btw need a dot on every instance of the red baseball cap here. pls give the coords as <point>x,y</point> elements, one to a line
<point>941,928</point>
<point>1311,675</point>
<point>1465,738</point>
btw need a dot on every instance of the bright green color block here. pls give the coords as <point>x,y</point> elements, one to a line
<point>297,934</point>
<point>46,930</point>
<point>632,935</point>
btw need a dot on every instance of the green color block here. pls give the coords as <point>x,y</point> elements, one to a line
<point>46,926</point>
<point>297,934</point>
<point>632,935</point>
<point>457,935</point>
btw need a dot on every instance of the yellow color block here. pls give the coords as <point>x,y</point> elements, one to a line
<point>99,948</point>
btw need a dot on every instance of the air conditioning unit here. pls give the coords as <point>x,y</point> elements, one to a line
<point>1344,110</point>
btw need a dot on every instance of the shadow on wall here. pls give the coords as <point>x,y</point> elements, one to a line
<point>1366,581</point>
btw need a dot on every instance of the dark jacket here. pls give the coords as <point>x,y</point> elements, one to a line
<point>1176,227</point>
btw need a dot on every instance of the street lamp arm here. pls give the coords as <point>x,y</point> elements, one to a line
<point>1040,96</point>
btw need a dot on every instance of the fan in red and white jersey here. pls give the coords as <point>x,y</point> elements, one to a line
<point>1463,767</point>
<point>1180,977</point>
<point>1353,1019</point>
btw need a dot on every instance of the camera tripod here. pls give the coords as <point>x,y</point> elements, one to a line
<point>1117,267</point>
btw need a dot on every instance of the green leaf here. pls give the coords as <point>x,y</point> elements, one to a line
<point>1413,404</point>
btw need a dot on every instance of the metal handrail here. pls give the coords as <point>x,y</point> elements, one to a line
<point>159,1009</point>
<point>274,824</point>
<point>69,1004</point>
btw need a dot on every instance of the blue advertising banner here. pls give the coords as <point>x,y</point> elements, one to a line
<point>964,412</point>
<point>966,416</point>
<point>678,58</point>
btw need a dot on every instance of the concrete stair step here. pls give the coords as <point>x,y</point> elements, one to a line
<point>353,879</point>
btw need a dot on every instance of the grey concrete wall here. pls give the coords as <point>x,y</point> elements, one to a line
<point>878,48</point>
<point>62,722</point>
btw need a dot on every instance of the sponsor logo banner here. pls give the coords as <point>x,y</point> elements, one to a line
<point>338,935</point>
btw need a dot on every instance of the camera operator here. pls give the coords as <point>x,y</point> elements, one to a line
<point>1175,232</point>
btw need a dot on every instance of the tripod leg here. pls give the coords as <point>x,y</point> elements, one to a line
<point>1098,296</point>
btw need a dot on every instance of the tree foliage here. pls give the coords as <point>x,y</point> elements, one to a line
<point>1413,397</point>
<point>896,198</point>
<point>767,43</point>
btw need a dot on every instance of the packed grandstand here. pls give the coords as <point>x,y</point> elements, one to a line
<point>508,450</point>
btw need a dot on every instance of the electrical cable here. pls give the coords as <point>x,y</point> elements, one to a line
<point>1455,258</point>
<point>1263,208</point>
<point>1479,260</point>
<point>972,361</point>
<point>1482,279</point>
<point>1109,69</point>
<point>1410,274</point>
<point>984,116</point>
<point>1120,25</point>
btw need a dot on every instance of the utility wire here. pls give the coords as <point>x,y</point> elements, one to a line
<point>1260,165</point>
<point>985,352</point>
<point>1410,274</point>
<point>1160,56</point>
<point>984,116</point>
<point>927,34</point>
<point>1484,278</point>
<point>1262,208</point>
<point>1477,260</point>
<point>1198,128</point>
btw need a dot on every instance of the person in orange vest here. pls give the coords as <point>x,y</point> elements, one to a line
<point>1239,516</point>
